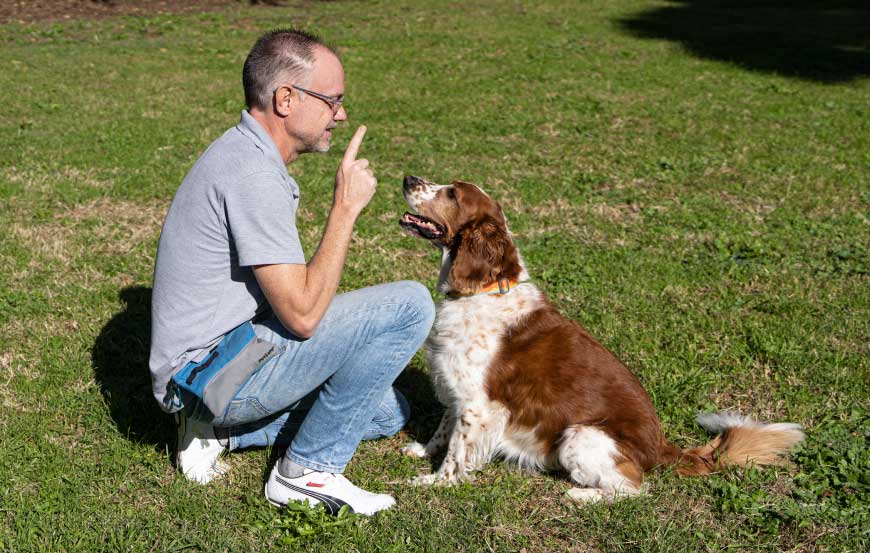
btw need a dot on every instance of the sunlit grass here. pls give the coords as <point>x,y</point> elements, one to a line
<point>707,221</point>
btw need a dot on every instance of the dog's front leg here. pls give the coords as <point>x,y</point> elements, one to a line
<point>465,452</point>
<point>436,444</point>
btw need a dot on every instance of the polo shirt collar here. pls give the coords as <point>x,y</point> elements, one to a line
<point>251,127</point>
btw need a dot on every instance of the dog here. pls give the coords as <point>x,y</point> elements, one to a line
<point>520,381</point>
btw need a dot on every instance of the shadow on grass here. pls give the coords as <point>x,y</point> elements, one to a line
<point>426,410</point>
<point>120,359</point>
<point>826,41</point>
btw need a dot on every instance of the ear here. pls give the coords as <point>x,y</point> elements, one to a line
<point>282,100</point>
<point>482,253</point>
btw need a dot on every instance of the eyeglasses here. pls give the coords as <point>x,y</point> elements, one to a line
<point>334,102</point>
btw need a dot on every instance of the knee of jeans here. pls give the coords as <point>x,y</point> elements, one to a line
<point>418,301</point>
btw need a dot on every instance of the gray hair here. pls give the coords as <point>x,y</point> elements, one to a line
<point>280,57</point>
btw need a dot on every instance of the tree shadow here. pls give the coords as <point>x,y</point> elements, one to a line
<point>826,41</point>
<point>120,359</point>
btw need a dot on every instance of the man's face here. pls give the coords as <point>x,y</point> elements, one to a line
<point>310,124</point>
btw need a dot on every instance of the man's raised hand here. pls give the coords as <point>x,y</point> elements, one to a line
<point>355,182</point>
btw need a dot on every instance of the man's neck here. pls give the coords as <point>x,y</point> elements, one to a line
<point>275,127</point>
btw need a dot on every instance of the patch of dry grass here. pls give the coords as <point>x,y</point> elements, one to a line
<point>71,243</point>
<point>44,181</point>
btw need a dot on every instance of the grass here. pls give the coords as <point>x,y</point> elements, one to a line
<point>701,206</point>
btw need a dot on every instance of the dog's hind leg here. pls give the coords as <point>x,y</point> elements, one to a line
<point>592,459</point>
<point>436,444</point>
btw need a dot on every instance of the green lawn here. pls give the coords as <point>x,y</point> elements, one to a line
<point>690,180</point>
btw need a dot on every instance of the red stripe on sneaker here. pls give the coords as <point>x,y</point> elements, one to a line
<point>314,484</point>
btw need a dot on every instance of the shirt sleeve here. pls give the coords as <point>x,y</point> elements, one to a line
<point>261,216</point>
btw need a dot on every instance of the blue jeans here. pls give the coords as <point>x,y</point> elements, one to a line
<point>325,394</point>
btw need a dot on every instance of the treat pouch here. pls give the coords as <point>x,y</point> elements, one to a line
<point>216,378</point>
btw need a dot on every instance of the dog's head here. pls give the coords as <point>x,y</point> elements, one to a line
<point>470,227</point>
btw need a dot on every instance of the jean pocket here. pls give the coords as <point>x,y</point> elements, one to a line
<point>242,411</point>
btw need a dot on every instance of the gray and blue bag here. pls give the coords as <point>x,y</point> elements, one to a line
<point>217,378</point>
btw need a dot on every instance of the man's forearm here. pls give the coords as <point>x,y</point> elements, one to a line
<point>327,263</point>
<point>301,294</point>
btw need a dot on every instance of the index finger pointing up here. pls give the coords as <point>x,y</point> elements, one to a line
<point>353,146</point>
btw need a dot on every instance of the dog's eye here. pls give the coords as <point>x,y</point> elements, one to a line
<point>451,193</point>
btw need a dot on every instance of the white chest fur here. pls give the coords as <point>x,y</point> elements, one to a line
<point>465,338</point>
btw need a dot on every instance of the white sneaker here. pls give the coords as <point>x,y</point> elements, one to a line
<point>333,490</point>
<point>197,451</point>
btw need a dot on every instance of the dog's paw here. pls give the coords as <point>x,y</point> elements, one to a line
<point>424,480</point>
<point>441,478</point>
<point>415,449</point>
<point>585,496</point>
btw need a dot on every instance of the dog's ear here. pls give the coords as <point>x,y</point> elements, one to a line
<point>482,253</point>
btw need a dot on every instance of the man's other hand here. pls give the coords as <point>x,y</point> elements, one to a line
<point>355,183</point>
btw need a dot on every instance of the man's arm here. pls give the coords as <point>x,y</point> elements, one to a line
<point>300,294</point>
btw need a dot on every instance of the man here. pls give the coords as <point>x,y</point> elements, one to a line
<point>229,256</point>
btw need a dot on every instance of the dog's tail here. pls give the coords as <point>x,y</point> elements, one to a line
<point>739,441</point>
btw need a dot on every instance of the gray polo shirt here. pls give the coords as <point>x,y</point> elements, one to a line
<point>235,208</point>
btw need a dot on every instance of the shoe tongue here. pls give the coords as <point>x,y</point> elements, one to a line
<point>317,475</point>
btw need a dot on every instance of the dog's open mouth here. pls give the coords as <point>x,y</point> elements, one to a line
<point>421,226</point>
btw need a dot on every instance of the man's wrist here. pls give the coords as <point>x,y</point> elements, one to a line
<point>344,213</point>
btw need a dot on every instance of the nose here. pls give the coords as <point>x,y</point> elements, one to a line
<point>410,182</point>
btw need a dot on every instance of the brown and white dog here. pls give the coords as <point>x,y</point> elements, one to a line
<point>520,381</point>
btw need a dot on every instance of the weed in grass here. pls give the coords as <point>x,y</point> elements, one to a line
<point>298,522</point>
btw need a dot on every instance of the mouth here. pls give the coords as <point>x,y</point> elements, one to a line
<point>421,227</point>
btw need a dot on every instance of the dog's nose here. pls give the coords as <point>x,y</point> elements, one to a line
<point>411,181</point>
